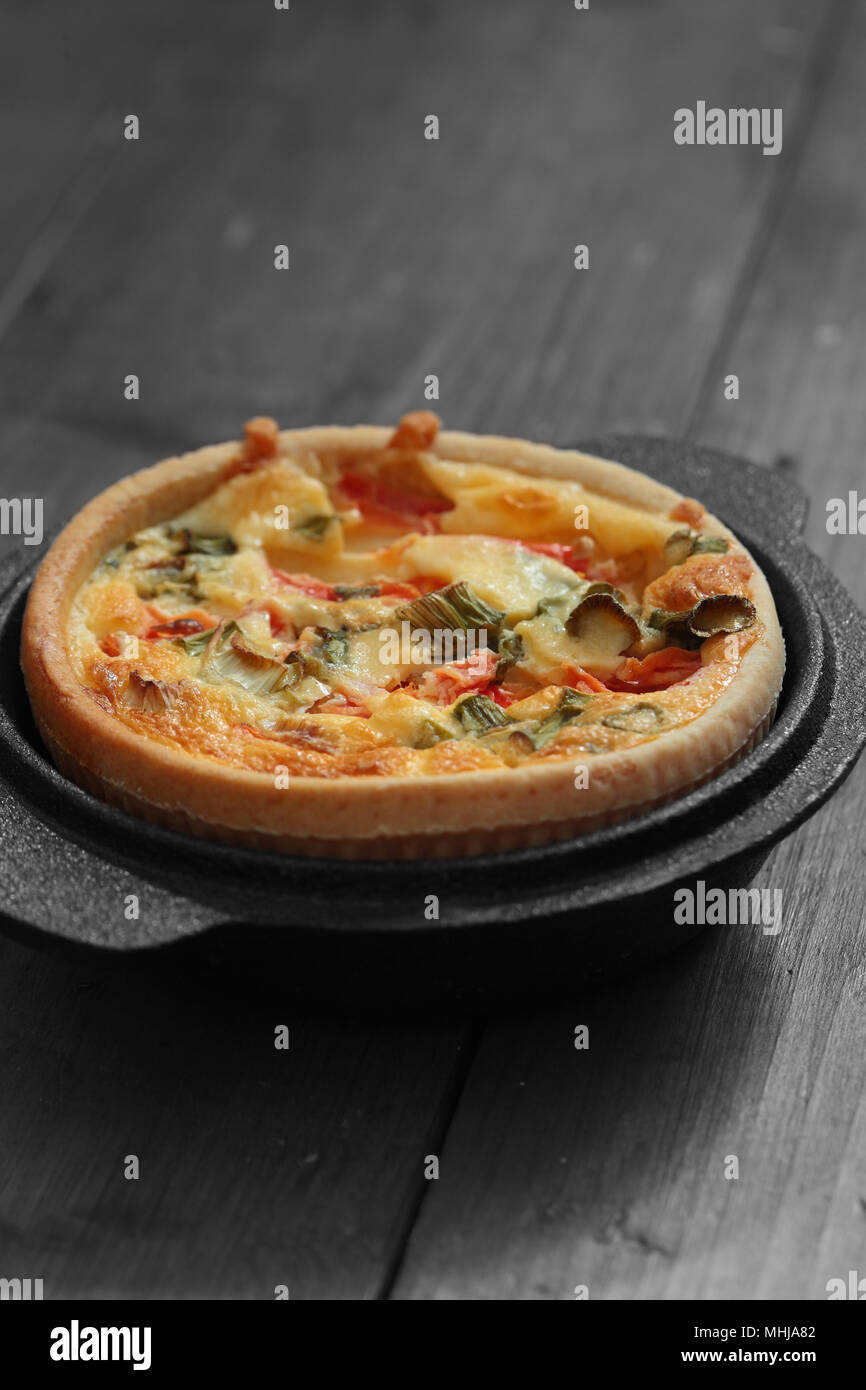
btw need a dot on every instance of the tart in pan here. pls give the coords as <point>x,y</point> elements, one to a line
<point>366,643</point>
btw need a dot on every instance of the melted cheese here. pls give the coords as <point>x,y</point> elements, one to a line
<point>270,508</point>
<point>510,577</point>
<point>269,666</point>
<point>502,502</point>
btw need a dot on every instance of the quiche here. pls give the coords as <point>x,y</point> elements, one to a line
<point>375,643</point>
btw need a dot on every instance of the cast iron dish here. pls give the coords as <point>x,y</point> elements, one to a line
<point>535,921</point>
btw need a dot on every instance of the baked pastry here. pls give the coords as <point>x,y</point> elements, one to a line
<point>359,642</point>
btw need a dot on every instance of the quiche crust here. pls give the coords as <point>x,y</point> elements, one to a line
<point>375,816</point>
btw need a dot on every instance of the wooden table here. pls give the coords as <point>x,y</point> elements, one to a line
<point>455,257</point>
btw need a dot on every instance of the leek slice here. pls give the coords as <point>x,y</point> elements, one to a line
<point>601,620</point>
<point>571,704</point>
<point>314,528</point>
<point>478,713</point>
<point>636,719</point>
<point>709,616</point>
<point>455,608</point>
<point>685,542</point>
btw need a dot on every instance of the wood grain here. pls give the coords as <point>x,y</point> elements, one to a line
<point>453,257</point>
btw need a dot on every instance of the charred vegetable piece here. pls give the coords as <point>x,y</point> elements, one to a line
<point>637,719</point>
<point>721,613</point>
<point>456,607</point>
<point>600,618</point>
<point>478,713</point>
<point>599,586</point>
<point>344,591</point>
<point>716,613</point>
<point>334,647</point>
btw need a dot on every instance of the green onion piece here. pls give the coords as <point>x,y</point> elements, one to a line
<point>664,619</point>
<point>344,591</point>
<point>678,546</point>
<point>685,542</point>
<point>211,545</point>
<point>509,648</point>
<point>547,604</point>
<point>571,704</point>
<point>637,719</point>
<point>334,647</point>
<point>454,608</point>
<point>710,545</point>
<point>429,733</point>
<point>478,713</point>
<point>198,642</point>
<point>314,527</point>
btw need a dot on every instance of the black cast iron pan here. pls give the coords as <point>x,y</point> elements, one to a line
<point>360,935</point>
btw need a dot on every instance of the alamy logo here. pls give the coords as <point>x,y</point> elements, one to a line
<point>739,125</point>
<point>22,516</point>
<point>846,519</point>
<point>855,1288</point>
<point>714,907</point>
<point>20,1290</point>
<point>418,647</point>
<point>76,1343</point>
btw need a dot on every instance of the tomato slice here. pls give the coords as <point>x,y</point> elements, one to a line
<point>657,671</point>
<point>392,588</point>
<point>304,584</point>
<point>388,506</point>
<point>503,698</point>
<point>443,685</point>
<point>555,549</point>
<point>578,679</point>
<point>179,627</point>
<point>338,704</point>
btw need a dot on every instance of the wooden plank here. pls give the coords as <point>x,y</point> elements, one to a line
<point>66,88</point>
<point>606,1168</point>
<point>258,1167</point>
